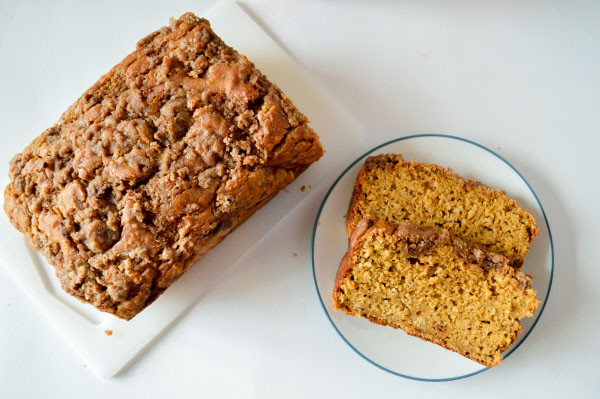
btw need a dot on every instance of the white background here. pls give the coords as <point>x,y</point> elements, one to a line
<point>521,77</point>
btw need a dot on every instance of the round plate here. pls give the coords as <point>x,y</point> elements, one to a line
<point>393,350</point>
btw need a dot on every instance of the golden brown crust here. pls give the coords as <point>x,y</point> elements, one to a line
<point>362,228</point>
<point>356,193</point>
<point>154,165</point>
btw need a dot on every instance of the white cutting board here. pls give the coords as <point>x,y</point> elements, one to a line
<point>84,327</point>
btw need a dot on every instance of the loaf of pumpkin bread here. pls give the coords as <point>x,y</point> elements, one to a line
<point>154,165</point>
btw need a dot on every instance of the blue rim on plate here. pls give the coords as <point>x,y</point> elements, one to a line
<point>312,254</point>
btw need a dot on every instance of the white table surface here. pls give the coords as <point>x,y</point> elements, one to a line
<point>519,77</point>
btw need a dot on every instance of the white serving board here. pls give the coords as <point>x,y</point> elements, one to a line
<point>81,325</point>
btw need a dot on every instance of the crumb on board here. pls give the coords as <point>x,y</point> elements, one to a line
<point>286,190</point>
<point>303,188</point>
<point>9,305</point>
<point>319,223</point>
<point>108,332</point>
<point>425,56</point>
<point>295,254</point>
<point>499,148</point>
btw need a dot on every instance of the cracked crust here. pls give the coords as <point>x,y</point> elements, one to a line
<point>154,165</point>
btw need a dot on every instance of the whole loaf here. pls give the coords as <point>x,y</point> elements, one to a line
<point>154,165</point>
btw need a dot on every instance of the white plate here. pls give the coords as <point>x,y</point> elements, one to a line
<point>393,350</point>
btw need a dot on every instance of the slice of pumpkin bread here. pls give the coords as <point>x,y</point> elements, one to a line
<point>392,189</point>
<point>434,286</point>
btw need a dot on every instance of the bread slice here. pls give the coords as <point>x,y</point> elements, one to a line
<point>392,189</point>
<point>434,286</point>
